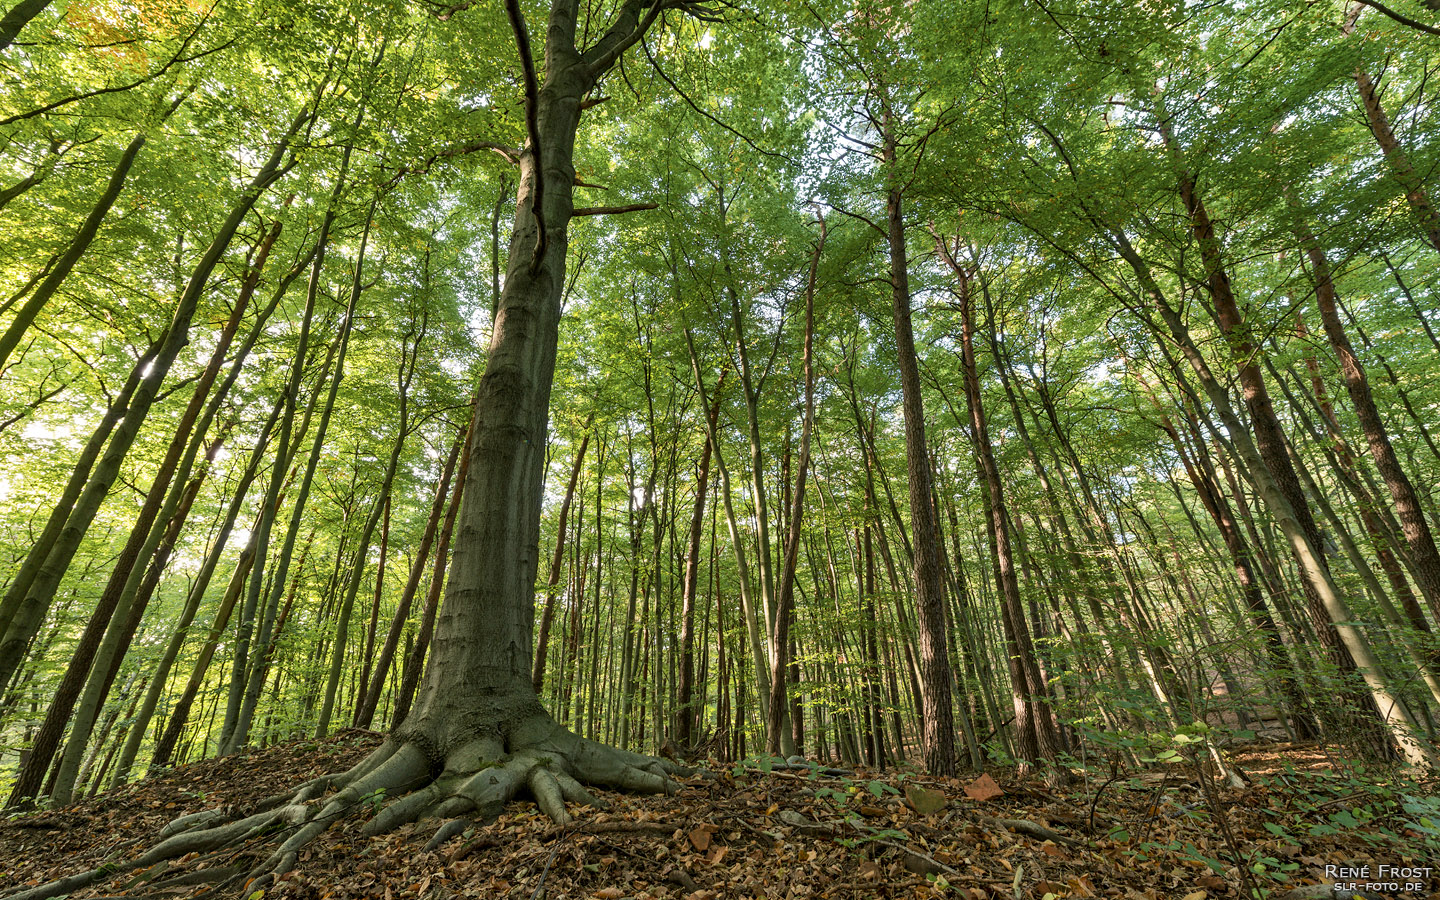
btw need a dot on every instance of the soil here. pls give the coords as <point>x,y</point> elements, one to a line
<point>740,832</point>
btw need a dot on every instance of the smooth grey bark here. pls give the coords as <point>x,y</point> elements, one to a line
<point>479,736</point>
<point>482,645</point>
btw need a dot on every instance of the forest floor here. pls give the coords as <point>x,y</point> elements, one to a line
<point>744,832</point>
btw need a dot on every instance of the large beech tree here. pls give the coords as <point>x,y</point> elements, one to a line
<point>478,735</point>
<point>1075,479</point>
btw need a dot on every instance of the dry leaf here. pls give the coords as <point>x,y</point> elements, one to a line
<point>983,788</point>
<point>610,893</point>
<point>700,837</point>
<point>924,802</point>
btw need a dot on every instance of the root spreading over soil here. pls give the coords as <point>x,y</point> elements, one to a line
<point>399,825</point>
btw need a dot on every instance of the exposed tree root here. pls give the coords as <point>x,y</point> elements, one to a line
<point>409,779</point>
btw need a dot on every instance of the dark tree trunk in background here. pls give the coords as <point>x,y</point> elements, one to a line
<point>552,584</point>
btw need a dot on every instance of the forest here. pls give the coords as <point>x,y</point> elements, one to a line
<point>425,422</point>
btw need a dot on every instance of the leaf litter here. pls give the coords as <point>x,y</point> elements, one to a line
<point>785,832</point>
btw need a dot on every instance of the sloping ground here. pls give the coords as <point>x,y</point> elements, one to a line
<point>790,834</point>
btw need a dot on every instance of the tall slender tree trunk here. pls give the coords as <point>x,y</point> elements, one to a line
<point>1425,559</point>
<point>685,714</point>
<point>63,265</point>
<point>48,578</point>
<point>780,640</point>
<point>749,614</point>
<point>18,602</point>
<point>1401,727</point>
<point>1034,723</point>
<point>1203,479</point>
<point>415,657</point>
<point>552,583</point>
<point>357,574</point>
<point>937,714</point>
<point>1270,440</point>
<point>365,712</point>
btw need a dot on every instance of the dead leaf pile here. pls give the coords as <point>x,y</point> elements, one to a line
<point>739,833</point>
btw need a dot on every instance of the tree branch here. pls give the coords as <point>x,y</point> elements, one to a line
<point>1402,19</point>
<point>611,210</point>
<point>622,35</point>
<point>177,59</point>
<point>532,129</point>
<point>691,103</point>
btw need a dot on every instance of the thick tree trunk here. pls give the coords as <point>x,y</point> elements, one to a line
<point>482,644</point>
<point>478,735</point>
